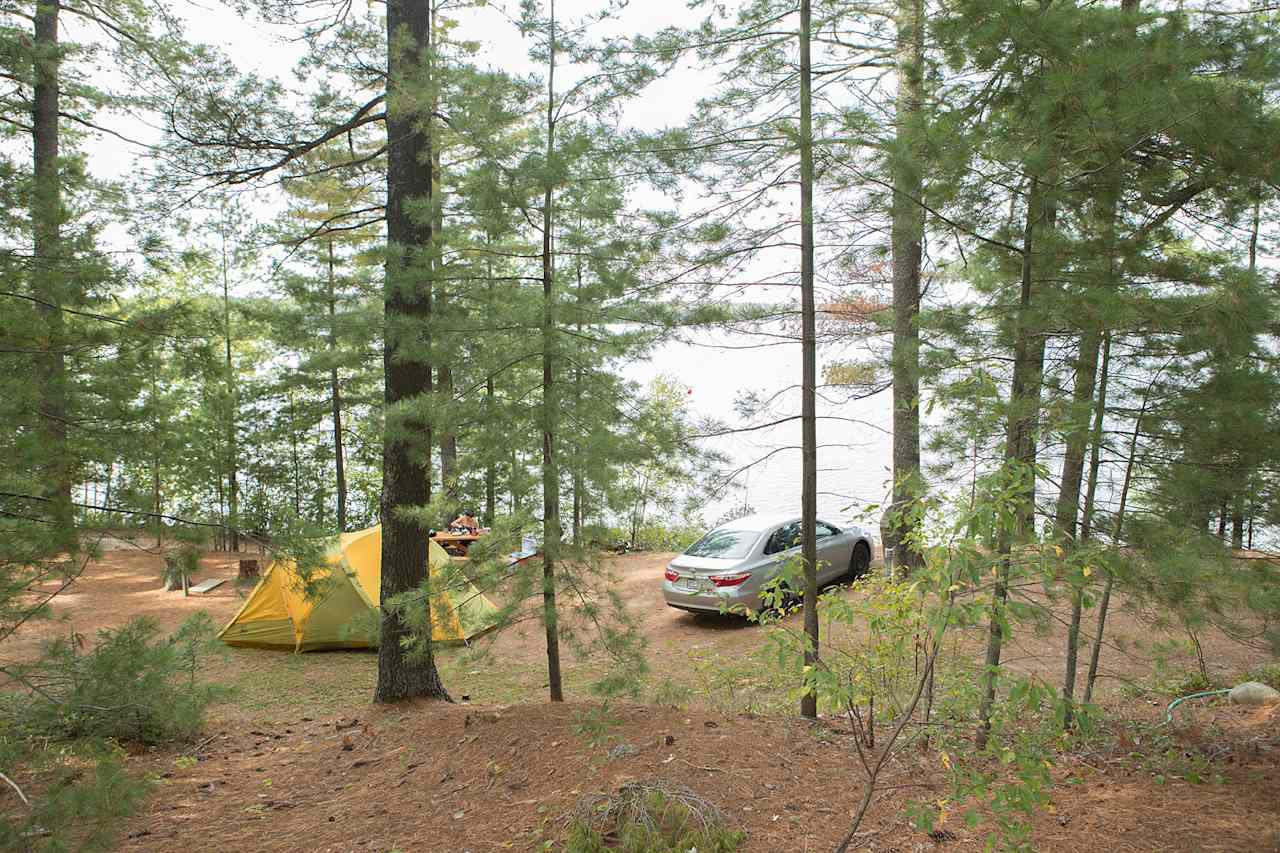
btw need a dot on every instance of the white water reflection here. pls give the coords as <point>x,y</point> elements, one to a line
<point>854,454</point>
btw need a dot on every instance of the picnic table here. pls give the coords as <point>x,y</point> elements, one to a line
<point>456,544</point>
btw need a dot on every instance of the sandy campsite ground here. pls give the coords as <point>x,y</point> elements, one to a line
<point>298,759</point>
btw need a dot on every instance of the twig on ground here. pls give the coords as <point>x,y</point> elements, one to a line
<point>14,786</point>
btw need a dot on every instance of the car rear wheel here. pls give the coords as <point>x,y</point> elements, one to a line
<point>859,561</point>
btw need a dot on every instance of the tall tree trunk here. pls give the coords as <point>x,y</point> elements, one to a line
<point>1237,503</point>
<point>1237,521</point>
<point>444,372</point>
<point>809,370</point>
<point>448,450</point>
<point>335,395</point>
<point>406,444</point>
<point>1069,493</point>
<point>1078,438</point>
<point>550,469</point>
<point>233,486</point>
<point>906,239</point>
<point>1086,516</point>
<point>1116,529</point>
<point>297,462</point>
<point>1020,447</point>
<point>576,461</point>
<point>490,465</point>
<point>157,505</point>
<point>221,481</point>
<point>49,274</point>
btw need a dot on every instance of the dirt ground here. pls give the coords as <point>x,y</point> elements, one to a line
<point>125,583</point>
<point>436,777</point>
<point>298,759</point>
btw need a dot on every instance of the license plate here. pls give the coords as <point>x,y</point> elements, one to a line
<point>695,584</point>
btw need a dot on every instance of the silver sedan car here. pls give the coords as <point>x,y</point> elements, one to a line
<point>732,564</point>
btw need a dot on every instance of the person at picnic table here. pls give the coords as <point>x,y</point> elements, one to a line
<point>466,521</point>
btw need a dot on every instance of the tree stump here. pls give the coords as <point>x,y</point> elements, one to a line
<point>248,569</point>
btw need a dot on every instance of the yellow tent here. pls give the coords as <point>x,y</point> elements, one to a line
<point>279,614</point>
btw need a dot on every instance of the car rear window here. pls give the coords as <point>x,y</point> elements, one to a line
<point>725,544</point>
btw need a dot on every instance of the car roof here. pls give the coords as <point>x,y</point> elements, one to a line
<point>762,521</point>
<point>759,521</point>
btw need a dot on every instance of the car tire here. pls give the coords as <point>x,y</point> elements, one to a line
<point>859,561</point>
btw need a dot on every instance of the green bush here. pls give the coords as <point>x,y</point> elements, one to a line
<point>132,686</point>
<point>84,791</point>
<point>179,565</point>
<point>652,537</point>
<point>63,721</point>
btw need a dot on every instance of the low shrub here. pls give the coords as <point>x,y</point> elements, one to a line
<point>64,717</point>
<point>655,816</point>
<point>133,685</point>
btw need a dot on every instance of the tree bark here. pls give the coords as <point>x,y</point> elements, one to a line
<point>233,486</point>
<point>576,460</point>
<point>444,373</point>
<point>906,239</point>
<point>1020,447</point>
<point>808,357</point>
<point>1237,522</point>
<point>404,673</point>
<point>1068,506</point>
<point>297,462</point>
<point>550,469</point>
<point>49,275</point>
<point>490,465</point>
<point>335,395</point>
<point>1116,529</point>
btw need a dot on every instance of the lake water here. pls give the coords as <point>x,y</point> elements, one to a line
<point>854,454</point>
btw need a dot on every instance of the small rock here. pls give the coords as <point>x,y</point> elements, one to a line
<point>1253,693</point>
<point>623,750</point>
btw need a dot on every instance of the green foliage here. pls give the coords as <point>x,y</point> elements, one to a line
<point>61,725</point>
<point>596,725</point>
<point>84,793</point>
<point>1266,673</point>
<point>132,685</point>
<point>180,565</point>
<point>1156,751</point>
<point>644,819</point>
<point>653,536</point>
<point>737,683</point>
<point>1010,778</point>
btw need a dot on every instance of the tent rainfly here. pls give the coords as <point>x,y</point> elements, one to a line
<point>279,615</point>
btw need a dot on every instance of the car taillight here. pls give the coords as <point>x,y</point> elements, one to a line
<point>730,580</point>
<point>671,576</point>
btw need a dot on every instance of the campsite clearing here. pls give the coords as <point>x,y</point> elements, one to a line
<point>274,774</point>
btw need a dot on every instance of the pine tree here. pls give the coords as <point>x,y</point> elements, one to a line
<point>406,468</point>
